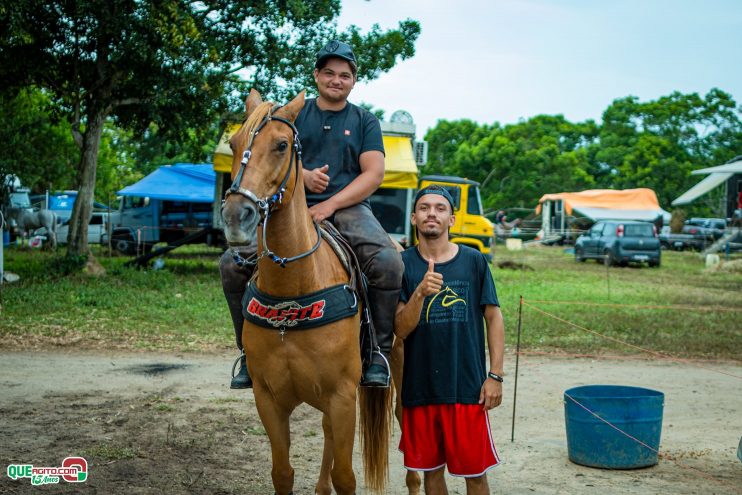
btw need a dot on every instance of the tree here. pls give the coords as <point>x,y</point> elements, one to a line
<point>174,64</point>
<point>654,144</point>
<point>445,138</point>
<point>37,145</point>
<point>516,163</point>
<point>658,143</point>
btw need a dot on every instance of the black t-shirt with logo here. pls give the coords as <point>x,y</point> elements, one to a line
<point>444,358</point>
<point>336,138</point>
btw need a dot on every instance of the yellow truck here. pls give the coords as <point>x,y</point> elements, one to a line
<point>392,202</point>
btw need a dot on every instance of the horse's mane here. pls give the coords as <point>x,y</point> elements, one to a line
<point>254,119</point>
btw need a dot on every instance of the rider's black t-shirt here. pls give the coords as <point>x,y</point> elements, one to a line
<point>336,138</point>
<point>444,359</point>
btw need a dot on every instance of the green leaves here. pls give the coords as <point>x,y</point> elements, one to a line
<point>169,70</point>
<point>654,144</point>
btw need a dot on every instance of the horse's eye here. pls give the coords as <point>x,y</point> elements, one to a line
<point>282,146</point>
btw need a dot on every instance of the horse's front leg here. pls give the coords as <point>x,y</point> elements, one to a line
<point>324,486</point>
<point>343,423</point>
<point>275,419</point>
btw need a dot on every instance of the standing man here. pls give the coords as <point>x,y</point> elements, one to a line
<point>343,158</point>
<point>448,387</point>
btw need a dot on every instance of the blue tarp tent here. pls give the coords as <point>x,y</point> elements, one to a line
<point>191,182</point>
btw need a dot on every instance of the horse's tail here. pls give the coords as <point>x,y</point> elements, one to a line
<point>375,432</point>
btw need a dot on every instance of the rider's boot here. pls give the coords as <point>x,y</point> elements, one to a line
<point>383,305</point>
<point>242,378</point>
<point>234,280</point>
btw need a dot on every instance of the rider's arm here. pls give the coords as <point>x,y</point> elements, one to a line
<point>372,173</point>
<point>363,186</point>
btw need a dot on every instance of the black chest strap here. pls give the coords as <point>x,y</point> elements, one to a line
<point>299,313</point>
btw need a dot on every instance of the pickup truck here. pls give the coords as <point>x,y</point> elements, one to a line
<point>680,242</point>
<point>709,229</point>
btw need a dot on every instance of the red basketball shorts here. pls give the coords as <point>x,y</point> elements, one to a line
<point>454,435</point>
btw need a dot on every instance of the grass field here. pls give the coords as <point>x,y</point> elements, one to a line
<point>181,307</point>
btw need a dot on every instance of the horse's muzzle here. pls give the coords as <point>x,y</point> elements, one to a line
<point>240,218</point>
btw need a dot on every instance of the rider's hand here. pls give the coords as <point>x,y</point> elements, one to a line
<point>317,180</point>
<point>432,282</point>
<point>321,211</point>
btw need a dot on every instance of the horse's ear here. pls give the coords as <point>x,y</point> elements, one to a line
<point>292,109</point>
<point>253,100</point>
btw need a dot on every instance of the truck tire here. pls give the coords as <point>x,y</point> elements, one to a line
<point>124,243</point>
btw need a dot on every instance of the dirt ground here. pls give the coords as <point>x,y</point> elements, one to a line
<point>157,423</point>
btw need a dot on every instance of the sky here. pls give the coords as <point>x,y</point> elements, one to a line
<point>506,60</point>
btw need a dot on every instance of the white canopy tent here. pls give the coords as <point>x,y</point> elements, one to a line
<point>716,177</point>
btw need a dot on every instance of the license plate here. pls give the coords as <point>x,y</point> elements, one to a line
<point>678,243</point>
<point>641,257</point>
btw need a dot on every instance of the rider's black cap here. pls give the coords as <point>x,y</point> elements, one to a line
<point>433,189</point>
<point>336,49</point>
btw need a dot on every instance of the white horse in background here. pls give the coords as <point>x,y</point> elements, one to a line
<point>28,221</point>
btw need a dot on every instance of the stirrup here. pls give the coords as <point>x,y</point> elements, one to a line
<point>388,370</point>
<point>234,366</point>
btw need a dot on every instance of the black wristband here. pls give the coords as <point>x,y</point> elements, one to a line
<point>494,376</point>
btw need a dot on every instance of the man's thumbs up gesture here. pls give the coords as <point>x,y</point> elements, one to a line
<point>317,180</point>
<point>432,282</point>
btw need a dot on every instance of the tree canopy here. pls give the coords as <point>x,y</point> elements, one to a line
<point>169,68</point>
<point>654,144</point>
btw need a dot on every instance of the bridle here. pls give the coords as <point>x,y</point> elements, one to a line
<point>266,205</point>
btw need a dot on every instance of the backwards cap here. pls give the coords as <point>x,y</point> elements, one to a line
<point>433,189</point>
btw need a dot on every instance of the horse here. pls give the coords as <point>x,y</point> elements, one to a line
<point>28,221</point>
<point>320,366</point>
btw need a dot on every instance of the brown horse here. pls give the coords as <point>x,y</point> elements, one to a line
<point>319,366</point>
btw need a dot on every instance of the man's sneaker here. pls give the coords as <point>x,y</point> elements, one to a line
<point>376,375</point>
<point>242,378</point>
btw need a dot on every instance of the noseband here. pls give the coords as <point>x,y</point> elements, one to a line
<point>266,205</point>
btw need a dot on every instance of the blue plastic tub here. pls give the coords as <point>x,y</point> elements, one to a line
<point>635,410</point>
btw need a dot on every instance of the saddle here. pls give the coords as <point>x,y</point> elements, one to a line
<point>319,308</point>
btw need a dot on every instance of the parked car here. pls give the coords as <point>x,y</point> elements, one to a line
<point>62,203</point>
<point>620,242</point>
<point>97,229</point>
<point>709,229</point>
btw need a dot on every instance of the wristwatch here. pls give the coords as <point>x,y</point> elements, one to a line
<point>494,376</point>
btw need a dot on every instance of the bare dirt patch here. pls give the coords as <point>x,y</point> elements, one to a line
<point>168,423</point>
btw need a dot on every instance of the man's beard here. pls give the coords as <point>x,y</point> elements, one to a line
<point>431,233</point>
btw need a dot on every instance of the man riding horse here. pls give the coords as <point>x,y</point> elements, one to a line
<point>343,159</point>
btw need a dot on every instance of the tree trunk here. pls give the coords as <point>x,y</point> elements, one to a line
<point>78,232</point>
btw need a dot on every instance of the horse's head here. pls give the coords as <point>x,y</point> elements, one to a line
<point>264,162</point>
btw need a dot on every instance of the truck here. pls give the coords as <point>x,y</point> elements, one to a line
<point>172,205</point>
<point>393,201</point>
